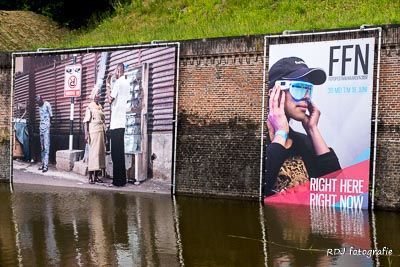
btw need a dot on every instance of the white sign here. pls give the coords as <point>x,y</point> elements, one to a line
<point>73,80</point>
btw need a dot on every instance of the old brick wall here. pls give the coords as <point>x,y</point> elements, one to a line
<point>220,93</point>
<point>5,86</point>
<point>387,193</point>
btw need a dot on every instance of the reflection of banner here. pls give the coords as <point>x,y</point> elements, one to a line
<point>344,96</point>
<point>304,236</point>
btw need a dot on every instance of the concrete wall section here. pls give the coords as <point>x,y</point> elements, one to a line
<point>161,156</point>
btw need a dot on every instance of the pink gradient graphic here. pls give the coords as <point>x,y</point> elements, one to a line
<point>348,185</point>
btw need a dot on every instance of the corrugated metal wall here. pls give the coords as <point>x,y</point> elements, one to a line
<point>48,81</point>
<point>21,93</point>
<point>161,61</point>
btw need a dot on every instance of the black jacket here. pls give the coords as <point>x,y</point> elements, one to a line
<point>276,154</point>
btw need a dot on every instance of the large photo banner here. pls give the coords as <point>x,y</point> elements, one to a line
<point>95,119</point>
<point>319,123</point>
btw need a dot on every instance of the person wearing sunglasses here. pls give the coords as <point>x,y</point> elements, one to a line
<point>291,158</point>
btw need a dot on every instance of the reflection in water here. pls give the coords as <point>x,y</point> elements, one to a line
<point>74,227</point>
<point>217,232</point>
<point>301,235</point>
<point>387,226</point>
<point>8,238</point>
<point>41,226</point>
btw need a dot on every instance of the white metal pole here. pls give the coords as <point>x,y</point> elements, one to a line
<point>11,133</point>
<point>378,71</point>
<point>71,124</point>
<point>263,114</point>
<point>92,49</point>
<point>323,32</point>
<point>176,119</point>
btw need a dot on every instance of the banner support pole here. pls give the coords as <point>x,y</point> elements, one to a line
<point>263,114</point>
<point>378,71</point>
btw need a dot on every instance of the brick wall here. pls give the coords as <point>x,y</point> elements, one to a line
<point>220,92</point>
<point>5,80</point>
<point>387,193</point>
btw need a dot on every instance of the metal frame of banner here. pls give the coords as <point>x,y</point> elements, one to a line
<point>153,44</point>
<point>11,122</point>
<point>294,34</point>
<point>173,188</point>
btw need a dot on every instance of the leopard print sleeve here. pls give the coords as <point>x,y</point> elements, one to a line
<point>275,155</point>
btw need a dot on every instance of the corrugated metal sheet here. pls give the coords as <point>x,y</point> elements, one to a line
<point>161,82</point>
<point>21,93</point>
<point>161,88</point>
<point>48,81</point>
<point>44,85</point>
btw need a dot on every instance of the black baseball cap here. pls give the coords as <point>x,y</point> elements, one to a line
<point>294,68</point>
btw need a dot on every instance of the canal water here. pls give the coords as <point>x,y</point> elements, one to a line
<point>56,226</point>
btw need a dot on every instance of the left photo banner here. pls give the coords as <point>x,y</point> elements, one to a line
<point>95,119</point>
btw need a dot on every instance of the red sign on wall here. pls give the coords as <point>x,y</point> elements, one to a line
<point>72,82</point>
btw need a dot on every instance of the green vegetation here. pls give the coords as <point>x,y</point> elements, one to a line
<point>65,12</point>
<point>146,20</point>
<point>143,21</point>
<point>23,30</point>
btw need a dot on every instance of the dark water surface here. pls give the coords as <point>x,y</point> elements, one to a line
<point>55,226</point>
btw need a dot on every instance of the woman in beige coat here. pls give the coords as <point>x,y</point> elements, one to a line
<point>94,124</point>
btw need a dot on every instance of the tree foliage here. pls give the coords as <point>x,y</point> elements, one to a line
<point>71,13</point>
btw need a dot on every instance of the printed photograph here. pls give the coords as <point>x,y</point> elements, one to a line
<point>97,119</point>
<point>319,123</point>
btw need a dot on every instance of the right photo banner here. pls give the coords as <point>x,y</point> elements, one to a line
<point>319,123</point>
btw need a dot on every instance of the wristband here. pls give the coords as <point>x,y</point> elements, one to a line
<point>282,133</point>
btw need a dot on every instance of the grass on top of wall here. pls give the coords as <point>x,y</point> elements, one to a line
<point>147,20</point>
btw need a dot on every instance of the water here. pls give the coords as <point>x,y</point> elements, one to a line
<point>56,226</point>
